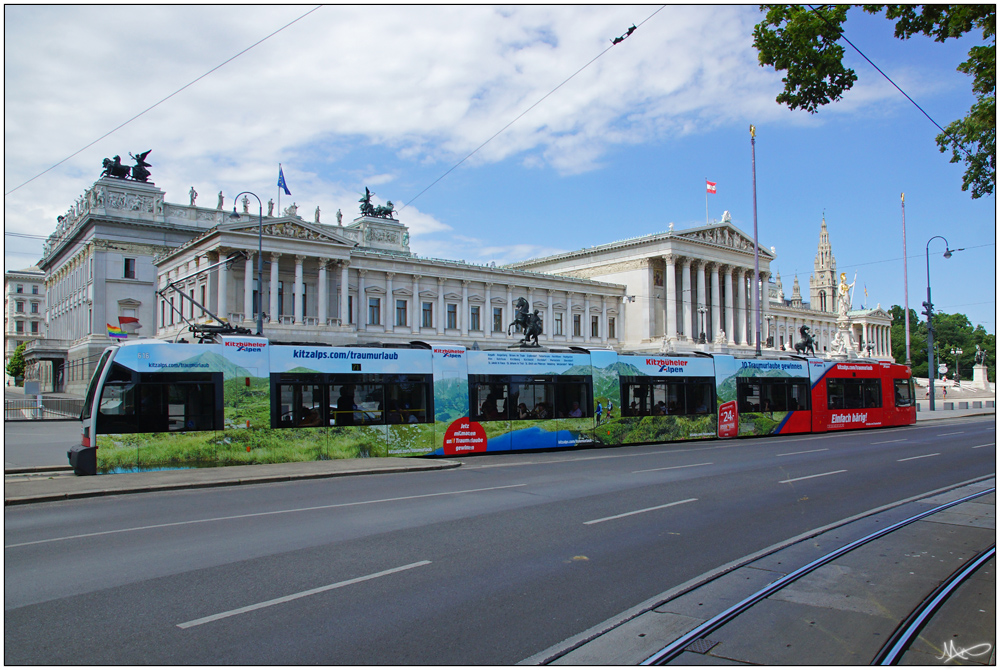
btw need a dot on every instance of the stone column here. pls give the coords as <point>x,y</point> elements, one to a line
<point>275,317</point>
<point>362,301</point>
<point>549,318</point>
<point>248,289</point>
<point>686,297</point>
<point>440,314</point>
<point>463,318</point>
<point>488,316</point>
<point>223,289</point>
<point>415,306</point>
<point>569,316</point>
<point>670,284</point>
<point>390,309</point>
<point>716,307</point>
<point>586,317</point>
<point>604,319</point>
<point>298,308</point>
<point>510,303</point>
<point>702,298</point>
<point>322,298</point>
<point>741,306</point>
<point>344,287</point>
<point>729,302</point>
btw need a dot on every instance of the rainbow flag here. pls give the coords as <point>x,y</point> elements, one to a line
<point>116,331</point>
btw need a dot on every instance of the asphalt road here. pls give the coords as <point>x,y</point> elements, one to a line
<point>489,563</point>
<point>38,443</point>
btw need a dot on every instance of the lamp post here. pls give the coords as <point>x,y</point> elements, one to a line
<point>929,311</point>
<point>260,256</point>
<point>956,352</point>
<point>702,322</point>
<point>769,340</point>
<point>756,259</point>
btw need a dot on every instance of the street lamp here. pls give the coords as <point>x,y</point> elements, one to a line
<point>260,257</point>
<point>929,311</point>
<point>956,352</point>
<point>769,340</point>
<point>702,322</point>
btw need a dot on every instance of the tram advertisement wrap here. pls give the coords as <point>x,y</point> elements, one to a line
<point>770,396</point>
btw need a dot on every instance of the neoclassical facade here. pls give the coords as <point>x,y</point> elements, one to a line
<point>122,254</point>
<point>24,308</point>
<point>360,283</point>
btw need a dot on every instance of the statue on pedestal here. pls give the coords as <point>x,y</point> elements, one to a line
<point>193,194</point>
<point>270,207</point>
<point>807,344</point>
<point>980,356</point>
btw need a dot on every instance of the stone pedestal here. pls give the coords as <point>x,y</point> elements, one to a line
<point>979,378</point>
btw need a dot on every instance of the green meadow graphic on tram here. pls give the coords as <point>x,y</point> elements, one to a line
<point>153,404</point>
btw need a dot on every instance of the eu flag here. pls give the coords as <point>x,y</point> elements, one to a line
<point>281,181</point>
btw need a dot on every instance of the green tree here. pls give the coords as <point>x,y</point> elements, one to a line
<point>804,43</point>
<point>950,331</point>
<point>15,366</point>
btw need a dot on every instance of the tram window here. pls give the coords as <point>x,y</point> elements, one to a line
<point>835,394</point>
<point>189,406</point>
<point>748,395</point>
<point>489,401</point>
<point>904,392</point>
<point>699,398</point>
<point>342,405</point>
<point>799,399</point>
<point>538,400</point>
<point>92,388</point>
<point>408,402</point>
<point>301,405</point>
<point>636,400</point>
<point>871,392</point>
<point>573,396</point>
<point>159,407</point>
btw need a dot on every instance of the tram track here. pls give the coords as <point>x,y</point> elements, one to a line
<point>697,638</point>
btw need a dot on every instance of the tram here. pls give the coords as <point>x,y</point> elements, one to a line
<point>153,404</point>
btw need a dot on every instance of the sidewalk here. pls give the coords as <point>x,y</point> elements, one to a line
<point>53,486</point>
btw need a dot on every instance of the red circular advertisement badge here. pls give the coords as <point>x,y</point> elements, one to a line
<point>464,437</point>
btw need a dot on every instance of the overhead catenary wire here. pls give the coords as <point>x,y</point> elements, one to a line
<point>614,43</point>
<point>157,104</point>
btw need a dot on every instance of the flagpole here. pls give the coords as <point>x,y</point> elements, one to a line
<point>906,293</point>
<point>279,191</point>
<point>756,258</point>
<point>706,201</point>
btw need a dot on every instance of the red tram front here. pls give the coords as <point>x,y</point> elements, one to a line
<point>861,394</point>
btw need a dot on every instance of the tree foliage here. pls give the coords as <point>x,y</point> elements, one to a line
<point>803,43</point>
<point>15,366</point>
<point>950,331</point>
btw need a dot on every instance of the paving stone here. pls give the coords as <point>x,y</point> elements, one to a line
<point>632,642</point>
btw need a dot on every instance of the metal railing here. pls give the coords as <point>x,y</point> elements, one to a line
<point>51,408</point>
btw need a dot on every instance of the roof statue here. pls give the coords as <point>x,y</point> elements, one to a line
<point>138,172</point>
<point>379,211</point>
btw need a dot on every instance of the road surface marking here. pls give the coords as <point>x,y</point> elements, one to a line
<point>638,511</point>
<point>798,479</point>
<point>961,432</point>
<point>296,596</point>
<point>796,453</point>
<point>988,444</point>
<point>890,441</point>
<point>253,514</point>
<point>673,467</point>
<point>913,458</point>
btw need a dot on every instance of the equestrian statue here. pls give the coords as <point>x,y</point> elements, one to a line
<point>807,344</point>
<point>530,324</point>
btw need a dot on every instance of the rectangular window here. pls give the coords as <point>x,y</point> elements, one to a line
<point>203,299</point>
<point>171,311</point>
<point>498,319</point>
<point>558,326</point>
<point>595,326</point>
<point>19,306</point>
<point>34,290</point>
<point>577,326</point>
<point>611,328</point>
<point>20,288</point>
<point>452,316</point>
<point>19,326</point>
<point>904,392</point>
<point>34,308</point>
<point>256,297</point>
<point>474,318</point>
<point>756,394</point>
<point>400,312</point>
<point>281,298</point>
<point>34,327</point>
<point>374,311</point>
<point>853,393</point>
<point>160,402</point>
<point>163,313</point>
<point>129,268</point>
<point>350,309</point>
<point>427,315</point>
<point>192,303</point>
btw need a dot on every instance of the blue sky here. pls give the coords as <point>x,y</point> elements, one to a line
<point>393,97</point>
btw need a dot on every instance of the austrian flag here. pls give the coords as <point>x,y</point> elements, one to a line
<point>709,186</point>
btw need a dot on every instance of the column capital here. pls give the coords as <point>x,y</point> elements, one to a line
<point>466,282</point>
<point>670,258</point>
<point>275,255</point>
<point>440,281</point>
<point>390,275</point>
<point>417,277</point>
<point>300,257</point>
<point>362,272</point>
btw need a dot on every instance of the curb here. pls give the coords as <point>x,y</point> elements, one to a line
<point>243,481</point>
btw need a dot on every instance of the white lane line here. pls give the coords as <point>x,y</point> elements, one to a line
<point>980,446</point>
<point>673,467</point>
<point>796,453</point>
<point>913,458</point>
<point>255,514</point>
<point>798,479</point>
<point>638,511</point>
<point>889,441</point>
<point>296,596</point>
<point>961,432</point>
